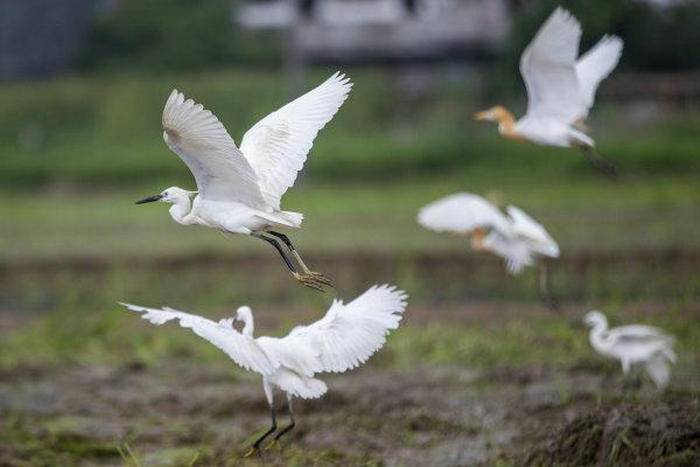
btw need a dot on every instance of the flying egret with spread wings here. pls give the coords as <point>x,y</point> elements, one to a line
<point>239,189</point>
<point>517,238</point>
<point>633,344</point>
<point>346,337</point>
<point>561,88</point>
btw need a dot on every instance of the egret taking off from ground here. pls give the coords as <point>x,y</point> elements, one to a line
<point>343,339</point>
<point>239,190</point>
<point>517,238</point>
<point>633,344</point>
<point>560,88</point>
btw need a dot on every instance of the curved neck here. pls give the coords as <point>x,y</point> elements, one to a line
<point>596,335</point>
<point>477,239</point>
<point>180,209</point>
<point>506,125</point>
<point>248,326</point>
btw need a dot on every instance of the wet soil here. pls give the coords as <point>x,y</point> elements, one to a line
<point>427,416</point>
<point>183,413</point>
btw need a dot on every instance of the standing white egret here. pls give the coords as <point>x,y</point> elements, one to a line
<point>560,88</point>
<point>633,344</point>
<point>342,340</point>
<point>239,190</point>
<point>517,238</point>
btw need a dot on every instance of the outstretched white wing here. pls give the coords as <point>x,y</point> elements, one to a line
<point>532,232</point>
<point>276,147</point>
<point>242,349</point>
<point>202,142</point>
<point>462,213</point>
<point>595,65</point>
<point>548,67</point>
<point>349,334</point>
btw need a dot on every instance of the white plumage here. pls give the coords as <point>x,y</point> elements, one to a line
<point>239,190</point>
<point>560,86</point>
<point>346,337</point>
<point>517,238</point>
<point>633,344</point>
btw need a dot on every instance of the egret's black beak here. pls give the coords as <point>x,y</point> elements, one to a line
<point>149,199</point>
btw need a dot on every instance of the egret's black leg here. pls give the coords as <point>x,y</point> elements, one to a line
<point>292,423</point>
<point>255,449</point>
<point>605,166</point>
<point>545,289</point>
<point>278,247</point>
<point>284,238</point>
<point>317,277</point>
<point>306,279</point>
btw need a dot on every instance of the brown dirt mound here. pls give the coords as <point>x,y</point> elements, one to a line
<point>633,433</point>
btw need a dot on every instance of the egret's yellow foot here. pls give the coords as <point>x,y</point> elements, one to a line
<point>274,444</point>
<point>322,278</point>
<point>252,451</point>
<point>309,281</point>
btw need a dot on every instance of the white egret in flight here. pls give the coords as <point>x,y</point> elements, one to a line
<point>239,189</point>
<point>342,340</point>
<point>561,88</point>
<point>517,238</point>
<point>633,344</point>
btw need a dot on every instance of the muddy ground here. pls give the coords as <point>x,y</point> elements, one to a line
<point>185,413</point>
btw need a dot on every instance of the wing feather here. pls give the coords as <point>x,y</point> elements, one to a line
<point>351,333</point>
<point>277,146</point>
<point>462,213</point>
<point>201,141</point>
<point>595,65</point>
<point>241,349</point>
<point>639,333</point>
<point>548,69</point>
<point>531,231</point>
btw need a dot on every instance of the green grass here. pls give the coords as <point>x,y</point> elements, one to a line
<point>102,130</point>
<point>586,214</point>
<point>516,339</point>
<point>78,150</point>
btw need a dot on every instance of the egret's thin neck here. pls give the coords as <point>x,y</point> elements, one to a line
<point>596,336</point>
<point>180,209</point>
<point>506,125</point>
<point>248,326</point>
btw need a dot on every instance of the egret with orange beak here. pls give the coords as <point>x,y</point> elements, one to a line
<point>560,87</point>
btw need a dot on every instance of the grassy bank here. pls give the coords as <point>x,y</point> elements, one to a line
<point>102,130</point>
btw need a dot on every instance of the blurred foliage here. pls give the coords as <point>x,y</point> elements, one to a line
<point>105,130</point>
<point>656,39</point>
<point>176,35</point>
<point>173,35</point>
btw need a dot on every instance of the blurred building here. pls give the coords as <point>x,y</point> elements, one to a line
<point>383,30</point>
<point>41,37</point>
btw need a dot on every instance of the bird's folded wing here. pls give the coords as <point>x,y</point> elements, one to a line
<point>596,64</point>
<point>462,213</point>
<point>277,146</point>
<point>202,142</point>
<point>241,349</point>
<point>548,69</point>
<point>638,333</point>
<point>532,232</point>
<point>350,333</point>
